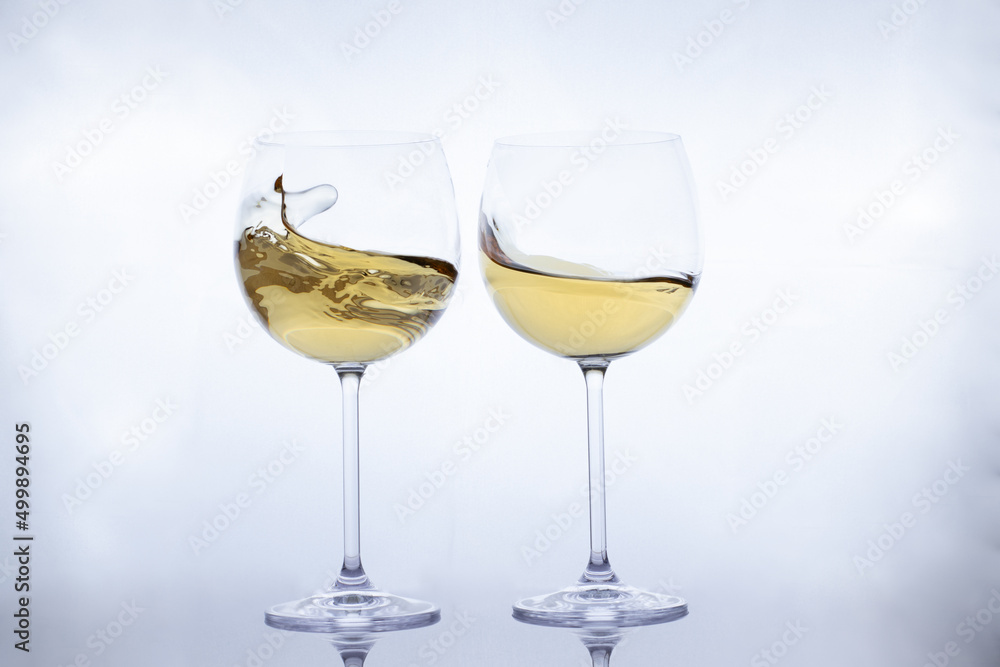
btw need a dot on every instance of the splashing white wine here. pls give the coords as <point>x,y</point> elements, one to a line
<point>330,302</point>
<point>578,312</point>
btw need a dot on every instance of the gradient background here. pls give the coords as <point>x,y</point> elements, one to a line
<point>169,334</point>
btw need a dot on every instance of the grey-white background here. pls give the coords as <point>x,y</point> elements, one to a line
<point>108,169</point>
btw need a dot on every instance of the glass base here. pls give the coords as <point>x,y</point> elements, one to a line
<point>593,605</point>
<point>352,611</point>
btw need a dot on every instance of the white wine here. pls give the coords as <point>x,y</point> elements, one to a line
<point>579,311</point>
<point>333,303</point>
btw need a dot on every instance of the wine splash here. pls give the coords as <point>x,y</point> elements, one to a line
<point>330,302</point>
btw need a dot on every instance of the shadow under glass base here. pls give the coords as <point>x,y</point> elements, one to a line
<point>590,605</point>
<point>352,610</point>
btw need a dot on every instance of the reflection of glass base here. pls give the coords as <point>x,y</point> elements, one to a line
<point>589,605</point>
<point>352,610</point>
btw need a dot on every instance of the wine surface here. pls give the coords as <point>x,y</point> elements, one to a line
<point>576,311</point>
<point>333,303</point>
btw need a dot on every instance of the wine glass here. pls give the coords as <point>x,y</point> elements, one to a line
<point>590,249</point>
<point>346,262</point>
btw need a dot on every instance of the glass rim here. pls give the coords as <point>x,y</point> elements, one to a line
<point>582,139</point>
<point>345,138</point>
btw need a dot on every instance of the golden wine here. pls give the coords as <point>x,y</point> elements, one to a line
<point>588,314</point>
<point>333,303</point>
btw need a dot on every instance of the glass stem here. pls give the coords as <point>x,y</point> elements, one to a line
<point>354,657</point>
<point>601,657</point>
<point>352,574</point>
<point>598,569</point>
<point>600,647</point>
<point>353,650</point>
